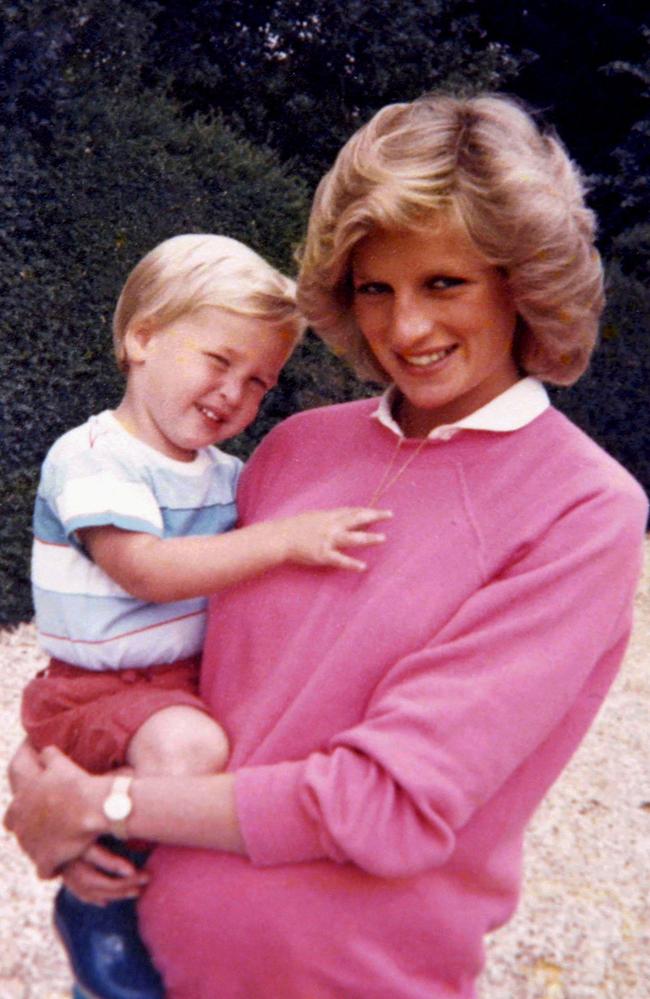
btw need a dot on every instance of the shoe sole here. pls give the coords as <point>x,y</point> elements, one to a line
<point>79,993</point>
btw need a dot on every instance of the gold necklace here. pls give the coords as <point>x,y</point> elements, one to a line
<point>386,482</point>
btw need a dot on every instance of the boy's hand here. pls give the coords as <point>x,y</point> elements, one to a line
<point>316,538</point>
<point>100,877</point>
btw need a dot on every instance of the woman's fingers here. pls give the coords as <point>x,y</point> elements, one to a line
<point>52,756</point>
<point>24,766</point>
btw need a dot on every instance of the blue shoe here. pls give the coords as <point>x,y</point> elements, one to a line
<point>105,951</point>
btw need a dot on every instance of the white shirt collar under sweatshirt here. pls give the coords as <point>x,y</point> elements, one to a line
<point>515,408</point>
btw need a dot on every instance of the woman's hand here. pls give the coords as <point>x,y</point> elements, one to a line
<point>57,811</point>
<point>100,877</point>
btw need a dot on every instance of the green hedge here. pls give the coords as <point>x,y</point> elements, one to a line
<point>114,176</point>
<point>610,402</point>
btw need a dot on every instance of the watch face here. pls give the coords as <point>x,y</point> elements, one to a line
<point>117,807</point>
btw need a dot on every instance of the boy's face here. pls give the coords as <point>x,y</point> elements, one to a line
<point>200,379</point>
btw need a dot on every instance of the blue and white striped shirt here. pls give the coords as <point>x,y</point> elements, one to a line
<point>99,474</point>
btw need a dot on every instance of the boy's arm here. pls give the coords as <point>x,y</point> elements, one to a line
<point>161,570</point>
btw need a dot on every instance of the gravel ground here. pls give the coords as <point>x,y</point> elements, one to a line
<point>583,927</point>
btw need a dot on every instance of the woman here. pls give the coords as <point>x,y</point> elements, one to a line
<point>392,733</point>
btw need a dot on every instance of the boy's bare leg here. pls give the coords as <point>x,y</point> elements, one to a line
<point>178,740</point>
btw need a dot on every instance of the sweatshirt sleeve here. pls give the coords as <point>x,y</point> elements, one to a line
<point>450,723</point>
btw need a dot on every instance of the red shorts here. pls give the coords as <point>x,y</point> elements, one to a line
<point>92,715</point>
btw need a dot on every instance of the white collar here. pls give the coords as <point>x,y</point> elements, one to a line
<point>517,406</point>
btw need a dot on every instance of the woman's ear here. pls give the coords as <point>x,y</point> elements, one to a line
<point>136,340</point>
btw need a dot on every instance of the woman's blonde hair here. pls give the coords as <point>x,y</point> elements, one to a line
<point>512,188</point>
<point>188,272</point>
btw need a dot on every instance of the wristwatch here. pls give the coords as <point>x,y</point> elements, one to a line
<point>118,805</point>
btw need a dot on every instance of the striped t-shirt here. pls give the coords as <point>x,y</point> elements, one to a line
<point>99,474</point>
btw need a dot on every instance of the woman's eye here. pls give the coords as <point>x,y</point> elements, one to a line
<point>442,281</point>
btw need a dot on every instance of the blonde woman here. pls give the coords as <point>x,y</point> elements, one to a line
<point>392,733</point>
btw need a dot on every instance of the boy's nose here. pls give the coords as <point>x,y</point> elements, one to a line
<point>230,390</point>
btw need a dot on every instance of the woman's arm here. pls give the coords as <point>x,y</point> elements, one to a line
<point>57,814</point>
<point>484,717</point>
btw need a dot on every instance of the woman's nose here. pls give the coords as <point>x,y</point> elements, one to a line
<point>411,321</point>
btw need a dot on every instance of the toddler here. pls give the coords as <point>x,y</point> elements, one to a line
<point>134,511</point>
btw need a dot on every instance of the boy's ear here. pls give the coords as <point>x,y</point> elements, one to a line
<point>137,336</point>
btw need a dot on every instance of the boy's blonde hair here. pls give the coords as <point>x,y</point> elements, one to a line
<point>187,272</point>
<point>484,163</point>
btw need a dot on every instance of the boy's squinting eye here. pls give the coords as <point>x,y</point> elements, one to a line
<point>220,362</point>
<point>371,288</point>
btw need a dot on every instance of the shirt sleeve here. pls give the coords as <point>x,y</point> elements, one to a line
<point>451,723</point>
<point>96,488</point>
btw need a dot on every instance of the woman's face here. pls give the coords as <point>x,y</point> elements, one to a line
<point>438,318</point>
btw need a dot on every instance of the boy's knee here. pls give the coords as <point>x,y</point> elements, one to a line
<point>178,741</point>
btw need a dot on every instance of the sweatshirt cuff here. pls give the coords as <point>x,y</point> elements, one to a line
<point>274,822</point>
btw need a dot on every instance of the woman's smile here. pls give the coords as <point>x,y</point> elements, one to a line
<point>429,360</point>
<point>439,319</point>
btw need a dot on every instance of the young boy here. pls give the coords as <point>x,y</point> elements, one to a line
<point>132,531</point>
<point>133,505</point>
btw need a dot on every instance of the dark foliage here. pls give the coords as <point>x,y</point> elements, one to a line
<point>610,401</point>
<point>302,75</point>
<point>93,176</point>
<point>624,191</point>
<point>573,43</point>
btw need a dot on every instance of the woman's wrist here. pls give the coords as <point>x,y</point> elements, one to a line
<point>118,805</point>
<point>196,811</point>
<point>96,792</point>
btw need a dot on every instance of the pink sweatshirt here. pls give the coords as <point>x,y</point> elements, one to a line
<point>393,731</point>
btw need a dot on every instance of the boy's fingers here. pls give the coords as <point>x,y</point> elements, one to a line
<point>340,561</point>
<point>361,538</point>
<point>365,515</point>
<point>92,885</point>
<point>111,863</point>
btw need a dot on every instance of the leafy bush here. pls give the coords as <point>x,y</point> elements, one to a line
<point>17,491</point>
<point>307,73</point>
<point>93,176</point>
<point>610,402</point>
